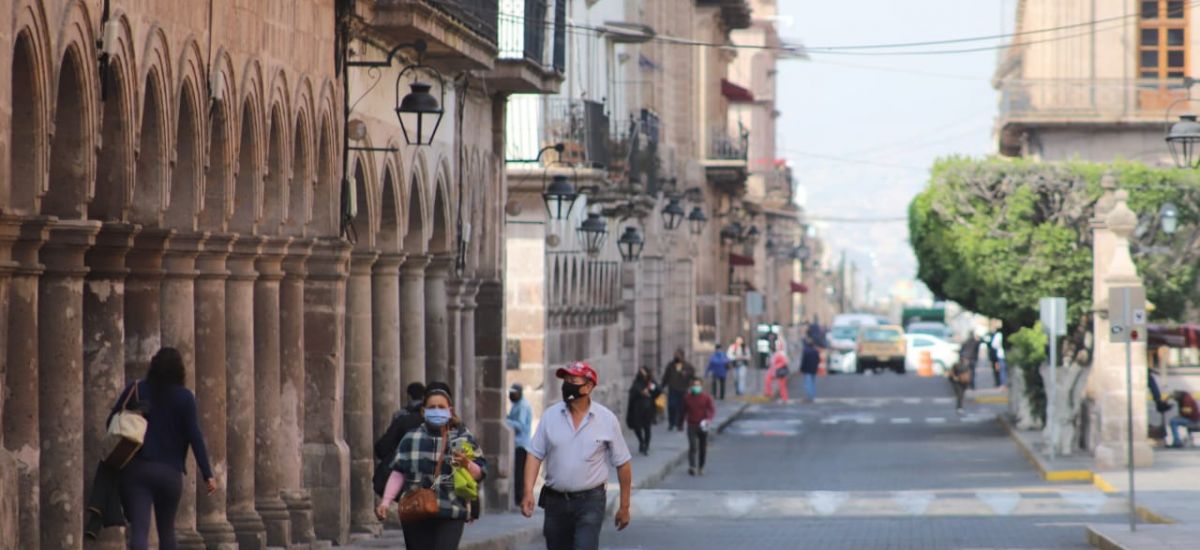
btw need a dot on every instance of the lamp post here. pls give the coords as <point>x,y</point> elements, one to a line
<point>419,112</point>
<point>592,232</point>
<point>696,220</point>
<point>673,214</point>
<point>560,197</point>
<point>630,244</point>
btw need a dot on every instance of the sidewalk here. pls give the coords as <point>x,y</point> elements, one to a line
<point>505,531</point>
<point>1167,498</point>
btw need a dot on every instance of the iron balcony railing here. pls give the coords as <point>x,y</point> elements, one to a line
<point>478,15</point>
<point>724,146</point>
<point>1091,100</point>
<point>534,30</point>
<point>580,125</point>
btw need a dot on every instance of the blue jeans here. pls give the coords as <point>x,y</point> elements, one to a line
<point>674,409</point>
<point>573,523</point>
<point>810,385</point>
<point>1176,423</point>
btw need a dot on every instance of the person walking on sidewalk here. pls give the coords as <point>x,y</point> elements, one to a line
<point>640,415</point>
<point>778,372</point>
<point>520,419</point>
<point>810,363</point>
<point>578,440</point>
<point>153,479</point>
<point>962,374</point>
<point>677,376</point>
<point>740,359</point>
<point>996,355</point>
<point>1189,415</point>
<point>718,369</point>
<point>700,409</point>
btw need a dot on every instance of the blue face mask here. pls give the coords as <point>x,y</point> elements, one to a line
<point>437,417</point>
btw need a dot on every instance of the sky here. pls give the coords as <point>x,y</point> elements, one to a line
<point>861,131</point>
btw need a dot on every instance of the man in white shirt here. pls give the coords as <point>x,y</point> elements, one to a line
<point>577,440</point>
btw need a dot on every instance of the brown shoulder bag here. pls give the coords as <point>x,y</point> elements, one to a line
<point>421,503</point>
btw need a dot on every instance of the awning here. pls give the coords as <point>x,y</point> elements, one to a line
<point>738,260</point>
<point>1174,336</point>
<point>735,93</point>
<point>799,288</point>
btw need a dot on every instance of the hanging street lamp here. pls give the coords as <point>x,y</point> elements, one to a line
<point>560,197</point>
<point>696,220</point>
<point>592,232</point>
<point>630,244</point>
<point>752,234</point>
<point>419,112</point>
<point>732,232</point>
<point>673,214</point>
<point>1169,218</point>
<point>1183,139</point>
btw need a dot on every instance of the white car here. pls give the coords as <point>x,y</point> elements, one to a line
<point>841,362</point>
<point>944,353</point>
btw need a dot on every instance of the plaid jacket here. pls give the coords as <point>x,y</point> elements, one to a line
<point>416,458</point>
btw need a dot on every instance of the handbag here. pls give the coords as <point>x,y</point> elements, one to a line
<point>781,372</point>
<point>421,503</point>
<point>126,432</point>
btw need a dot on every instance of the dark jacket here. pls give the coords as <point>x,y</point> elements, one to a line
<point>641,403</point>
<point>171,426</point>
<point>810,359</point>
<point>678,379</point>
<point>385,448</point>
<point>968,354</point>
<point>104,505</point>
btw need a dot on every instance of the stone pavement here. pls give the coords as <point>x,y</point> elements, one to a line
<point>507,530</point>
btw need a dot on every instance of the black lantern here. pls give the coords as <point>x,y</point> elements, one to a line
<point>801,252</point>
<point>672,215</point>
<point>696,220</point>
<point>630,244</point>
<point>420,113</point>
<point>592,232</point>
<point>752,234</point>
<point>1182,141</point>
<point>560,197</point>
<point>732,232</point>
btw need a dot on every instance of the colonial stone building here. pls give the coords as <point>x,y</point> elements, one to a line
<point>180,174</point>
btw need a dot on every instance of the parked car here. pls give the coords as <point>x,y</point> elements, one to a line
<point>932,328</point>
<point>943,352</point>
<point>881,347</point>
<point>843,340</point>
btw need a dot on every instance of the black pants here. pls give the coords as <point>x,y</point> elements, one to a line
<point>675,409</point>
<point>697,446</point>
<point>643,436</point>
<point>519,474</point>
<point>718,382</point>
<point>146,484</point>
<point>433,534</point>
<point>959,390</point>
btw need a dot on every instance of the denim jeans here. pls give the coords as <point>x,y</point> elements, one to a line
<point>573,523</point>
<point>1176,423</point>
<point>675,409</point>
<point>697,447</point>
<point>739,379</point>
<point>810,385</point>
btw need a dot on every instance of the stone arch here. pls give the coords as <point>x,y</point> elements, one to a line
<point>324,207</point>
<point>298,188</point>
<point>28,143</point>
<point>217,204</point>
<point>441,239</point>
<point>188,177</point>
<point>247,186</point>
<point>72,150</point>
<point>275,182</point>
<point>361,223</point>
<point>389,213</point>
<point>416,236</point>
<point>153,161</point>
<point>115,165</point>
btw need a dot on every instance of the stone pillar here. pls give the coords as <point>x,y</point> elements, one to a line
<point>211,392</point>
<point>10,516</point>
<point>179,331</point>
<point>21,402</point>
<point>437,337</point>
<point>326,457</point>
<point>1110,364</point>
<point>143,301</point>
<point>60,386</point>
<point>492,395</point>
<point>359,405</point>
<point>240,395</point>
<point>104,349</point>
<point>385,317</point>
<point>412,319</point>
<point>470,377</point>
<point>454,359</point>
<point>268,484</point>
<point>291,394</point>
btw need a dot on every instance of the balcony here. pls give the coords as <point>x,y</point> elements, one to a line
<point>725,162</point>
<point>1083,102</point>
<point>461,34</point>
<point>532,43</point>
<point>735,14</point>
<point>580,125</point>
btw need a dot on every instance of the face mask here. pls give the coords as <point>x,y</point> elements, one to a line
<point>695,390</point>
<point>514,397</point>
<point>437,417</point>
<point>570,392</point>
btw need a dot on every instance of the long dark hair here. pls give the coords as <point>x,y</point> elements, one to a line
<point>166,370</point>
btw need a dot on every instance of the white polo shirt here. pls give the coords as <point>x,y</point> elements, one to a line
<point>578,459</point>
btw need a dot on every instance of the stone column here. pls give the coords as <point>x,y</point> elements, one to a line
<point>492,395</point>
<point>326,457</point>
<point>60,386</point>
<point>104,348</point>
<point>437,352</point>
<point>268,484</point>
<point>240,395</point>
<point>211,390</point>
<point>359,406</point>
<point>412,319</point>
<point>10,516</point>
<point>454,359</point>
<point>470,377</point>
<point>21,402</point>
<point>179,331</point>
<point>291,394</point>
<point>1110,363</point>
<point>143,301</point>
<point>385,316</point>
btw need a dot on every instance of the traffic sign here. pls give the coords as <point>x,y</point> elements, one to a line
<point>1054,316</point>
<point>1127,314</point>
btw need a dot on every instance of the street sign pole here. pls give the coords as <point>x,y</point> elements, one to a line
<point>1127,315</point>
<point>1053,391</point>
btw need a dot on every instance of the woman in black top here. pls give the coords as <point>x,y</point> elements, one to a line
<point>641,412</point>
<point>154,478</point>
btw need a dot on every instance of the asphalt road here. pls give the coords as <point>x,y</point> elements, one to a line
<point>876,462</point>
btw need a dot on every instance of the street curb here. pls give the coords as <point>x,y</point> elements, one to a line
<point>1038,464</point>
<point>1099,540</point>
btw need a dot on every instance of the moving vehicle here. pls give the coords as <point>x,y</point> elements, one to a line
<point>943,352</point>
<point>843,339</point>
<point>881,346</point>
<point>910,315</point>
<point>932,328</point>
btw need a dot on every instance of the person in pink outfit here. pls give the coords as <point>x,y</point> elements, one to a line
<point>778,373</point>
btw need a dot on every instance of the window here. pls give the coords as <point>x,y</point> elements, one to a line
<point>1162,38</point>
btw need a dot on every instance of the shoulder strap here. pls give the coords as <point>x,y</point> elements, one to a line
<point>132,394</point>
<point>437,470</point>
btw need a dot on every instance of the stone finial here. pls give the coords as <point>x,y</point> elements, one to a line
<point>1104,205</point>
<point>1121,220</point>
<point>1108,181</point>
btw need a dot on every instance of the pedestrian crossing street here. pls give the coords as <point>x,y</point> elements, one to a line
<point>790,504</point>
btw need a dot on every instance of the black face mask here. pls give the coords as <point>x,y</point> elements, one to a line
<point>514,397</point>
<point>570,392</point>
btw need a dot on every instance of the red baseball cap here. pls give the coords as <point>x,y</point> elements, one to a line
<point>579,368</point>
